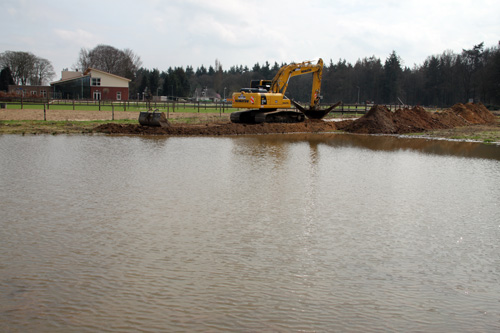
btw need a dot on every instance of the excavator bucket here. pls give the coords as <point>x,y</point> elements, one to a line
<point>315,113</point>
<point>153,119</point>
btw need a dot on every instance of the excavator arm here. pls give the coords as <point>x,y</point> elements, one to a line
<point>280,82</point>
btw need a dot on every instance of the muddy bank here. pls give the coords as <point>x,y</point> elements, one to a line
<point>379,120</point>
<point>309,126</point>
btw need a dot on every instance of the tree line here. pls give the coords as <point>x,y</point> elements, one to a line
<point>442,80</point>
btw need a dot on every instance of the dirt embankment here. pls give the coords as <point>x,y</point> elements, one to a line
<point>379,120</point>
<point>309,126</point>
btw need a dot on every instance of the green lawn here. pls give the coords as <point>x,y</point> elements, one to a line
<point>181,107</point>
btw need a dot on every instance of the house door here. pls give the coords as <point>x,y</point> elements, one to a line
<point>97,95</point>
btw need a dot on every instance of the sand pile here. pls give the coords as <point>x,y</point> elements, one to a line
<point>379,120</point>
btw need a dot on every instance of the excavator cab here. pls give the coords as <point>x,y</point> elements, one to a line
<point>261,84</point>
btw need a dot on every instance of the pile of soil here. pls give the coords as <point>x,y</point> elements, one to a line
<point>308,126</point>
<point>474,113</point>
<point>379,120</point>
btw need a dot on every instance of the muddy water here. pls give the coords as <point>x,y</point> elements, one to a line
<point>263,233</point>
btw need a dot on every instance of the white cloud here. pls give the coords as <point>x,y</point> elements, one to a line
<point>79,37</point>
<point>237,32</point>
<point>11,11</point>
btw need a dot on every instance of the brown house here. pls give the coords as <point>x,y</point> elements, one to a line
<point>92,84</point>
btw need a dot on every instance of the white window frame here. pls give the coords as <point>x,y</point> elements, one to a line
<point>118,95</point>
<point>97,95</point>
<point>96,81</point>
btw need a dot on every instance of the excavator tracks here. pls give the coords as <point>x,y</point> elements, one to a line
<point>259,116</point>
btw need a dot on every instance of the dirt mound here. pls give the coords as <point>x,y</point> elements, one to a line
<point>379,120</point>
<point>309,126</point>
<point>474,113</point>
<point>449,119</point>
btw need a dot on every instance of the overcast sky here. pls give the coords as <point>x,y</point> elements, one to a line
<point>172,33</point>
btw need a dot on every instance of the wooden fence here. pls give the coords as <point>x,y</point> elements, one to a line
<point>168,106</point>
<point>130,105</point>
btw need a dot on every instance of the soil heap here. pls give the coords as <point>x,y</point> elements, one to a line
<point>379,120</point>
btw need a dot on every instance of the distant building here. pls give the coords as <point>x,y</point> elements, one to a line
<point>31,91</point>
<point>92,84</point>
<point>206,95</point>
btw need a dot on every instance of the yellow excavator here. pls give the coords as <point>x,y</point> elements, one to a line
<point>265,99</point>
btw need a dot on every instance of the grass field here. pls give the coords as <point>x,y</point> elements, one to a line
<point>133,106</point>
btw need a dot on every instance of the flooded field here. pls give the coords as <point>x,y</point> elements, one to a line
<point>300,232</point>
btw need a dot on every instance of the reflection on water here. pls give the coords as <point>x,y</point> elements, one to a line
<point>392,143</point>
<point>256,233</point>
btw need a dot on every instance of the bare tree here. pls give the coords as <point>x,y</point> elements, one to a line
<point>26,68</point>
<point>42,72</point>
<point>109,59</point>
<point>83,60</point>
<point>132,62</point>
<point>20,63</point>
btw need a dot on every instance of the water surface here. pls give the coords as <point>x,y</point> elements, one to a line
<point>252,233</point>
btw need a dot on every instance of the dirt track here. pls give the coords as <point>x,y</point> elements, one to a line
<point>79,115</point>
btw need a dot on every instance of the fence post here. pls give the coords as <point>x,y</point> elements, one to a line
<point>198,106</point>
<point>112,111</point>
<point>44,113</point>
